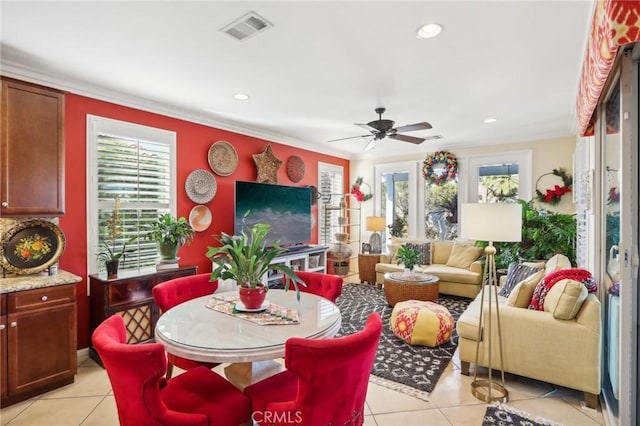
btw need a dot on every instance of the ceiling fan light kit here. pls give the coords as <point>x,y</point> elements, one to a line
<point>382,128</point>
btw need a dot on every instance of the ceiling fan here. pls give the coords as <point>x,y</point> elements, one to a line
<point>380,129</point>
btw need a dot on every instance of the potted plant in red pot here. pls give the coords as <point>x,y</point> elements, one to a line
<point>245,258</point>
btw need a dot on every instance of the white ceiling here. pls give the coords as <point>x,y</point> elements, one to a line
<point>322,67</point>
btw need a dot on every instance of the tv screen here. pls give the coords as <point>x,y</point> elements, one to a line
<point>286,208</point>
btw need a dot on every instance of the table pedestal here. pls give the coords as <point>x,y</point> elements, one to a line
<point>243,374</point>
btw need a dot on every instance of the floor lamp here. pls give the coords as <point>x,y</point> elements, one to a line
<point>492,222</point>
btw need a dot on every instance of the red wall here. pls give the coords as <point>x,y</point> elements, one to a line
<point>193,142</point>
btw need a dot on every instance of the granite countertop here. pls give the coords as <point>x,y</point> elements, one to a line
<point>29,282</point>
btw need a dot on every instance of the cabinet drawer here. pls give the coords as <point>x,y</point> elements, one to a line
<point>131,291</point>
<point>41,297</point>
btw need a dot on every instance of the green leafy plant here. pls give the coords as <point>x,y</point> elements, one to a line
<point>398,227</point>
<point>544,234</point>
<point>110,250</point>
<point>170,234</point>
<point>409,257</point>
<point>246,258</point>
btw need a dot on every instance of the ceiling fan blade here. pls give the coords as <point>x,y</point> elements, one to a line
<point>372,143</point>
<point>351,137</point>
<point>413,127</point>
<point>367,127</point>
<point>406,138</point>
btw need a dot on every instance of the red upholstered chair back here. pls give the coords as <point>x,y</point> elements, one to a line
<point>333,375</point>
<point>136,375</point>
<point>173,292</point>
<point>327,286</point>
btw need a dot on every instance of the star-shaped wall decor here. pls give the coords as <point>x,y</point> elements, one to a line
<point>267,165</point>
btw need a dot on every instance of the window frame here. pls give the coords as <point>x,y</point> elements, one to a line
<point>325,200</point>
<point>97,125</point>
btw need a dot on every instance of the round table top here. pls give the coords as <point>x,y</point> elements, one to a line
<point>411,278</point>
<point>192,330</point>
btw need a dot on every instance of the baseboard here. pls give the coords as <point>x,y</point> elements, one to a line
<point>82,355</point>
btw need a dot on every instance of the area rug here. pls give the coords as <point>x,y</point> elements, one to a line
<point>503,415</point>
<point>413,370</point>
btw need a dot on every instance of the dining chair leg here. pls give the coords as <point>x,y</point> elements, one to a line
<point>169,370</point>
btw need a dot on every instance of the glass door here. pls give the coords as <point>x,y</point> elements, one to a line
<point>398,204</point>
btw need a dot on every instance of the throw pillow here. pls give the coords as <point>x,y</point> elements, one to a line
<point>425,252</point>
<point>463,255</point>
<point>565,299</point>
<point>543,287</point>
<point>557,262</point>
<point>516,273</point>
<point>440,251</point>
<point>520,296</point>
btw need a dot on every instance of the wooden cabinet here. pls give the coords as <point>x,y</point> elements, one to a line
<point>4,382</point>
<point>130,297</point>
<point>367,267</point>
<point>40,350</point>
<point>31,150</point>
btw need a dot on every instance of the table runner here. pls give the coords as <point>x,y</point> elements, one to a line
<point>273,315</point>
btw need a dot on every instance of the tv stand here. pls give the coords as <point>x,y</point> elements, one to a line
<point>312,258</point>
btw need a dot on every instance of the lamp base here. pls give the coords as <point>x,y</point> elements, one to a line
<point>376,243</point>
<point>489,391</point>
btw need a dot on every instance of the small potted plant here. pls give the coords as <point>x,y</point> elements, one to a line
<point>245,258</point>
<point>409,257</point>
<point>110,253</point>
<point>170,234</point>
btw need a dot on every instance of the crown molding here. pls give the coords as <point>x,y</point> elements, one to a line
<point>36,76</point>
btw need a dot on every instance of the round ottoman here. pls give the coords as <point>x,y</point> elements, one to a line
<point>421,323</point>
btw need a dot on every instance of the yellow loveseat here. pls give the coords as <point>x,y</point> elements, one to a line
<point>457,265</point>
<point>560,345</point>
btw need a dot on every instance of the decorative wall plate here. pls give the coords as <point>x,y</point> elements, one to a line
<point>295,168</point>
<point>223,158</point>
<point>200,218</point>
<point>201,186</point>
<point>31,247</point>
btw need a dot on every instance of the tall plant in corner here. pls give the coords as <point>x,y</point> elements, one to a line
<point>109,252</point>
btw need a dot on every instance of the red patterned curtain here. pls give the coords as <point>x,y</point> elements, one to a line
<point>615,23</point>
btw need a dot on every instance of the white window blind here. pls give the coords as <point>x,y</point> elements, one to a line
<point>330,185</point>
<point>136,165</point>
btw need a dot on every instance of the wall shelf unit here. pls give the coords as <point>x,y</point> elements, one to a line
<point>342,220</point>
<point>311,259</point>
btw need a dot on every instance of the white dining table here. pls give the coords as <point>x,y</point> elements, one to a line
<point>194,331</point>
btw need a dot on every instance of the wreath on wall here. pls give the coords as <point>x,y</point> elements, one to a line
<point>553,195</point>
<point>357,192</point>
<point>439,177</point>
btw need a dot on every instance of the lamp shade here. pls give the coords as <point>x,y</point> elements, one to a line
<point>375,223</point>
<point>500,222</point>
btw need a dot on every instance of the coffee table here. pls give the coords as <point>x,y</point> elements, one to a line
<point>401,286</point>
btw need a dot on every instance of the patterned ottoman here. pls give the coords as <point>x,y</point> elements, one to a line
<point>421,323</point>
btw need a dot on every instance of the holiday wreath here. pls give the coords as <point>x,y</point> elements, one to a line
<point>357,192</point>
<point>439,176</point>
<point>553,195</point>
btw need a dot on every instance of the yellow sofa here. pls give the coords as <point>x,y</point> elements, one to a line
<point>454,280</point>
<point>560,345</point>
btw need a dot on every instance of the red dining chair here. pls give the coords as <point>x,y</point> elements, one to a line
<point>325,382</point>
<point>325,285</point>
<point>145,397</point>
<point>173,292</point>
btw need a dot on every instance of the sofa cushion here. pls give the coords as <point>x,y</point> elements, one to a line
<point>565,299</point>
<point>467,325</point>
<point>521,294</point>
<point>516,273</point>
<point>440,251</point>
<point>463,255</point>
<point>425,252</point>
<point>451,274</point>
<point>559,261</point>
<point>550,280</point>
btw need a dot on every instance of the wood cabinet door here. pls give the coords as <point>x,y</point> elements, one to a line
<point>41,347</point>
<point>3,356</point>
<point>31,150</point>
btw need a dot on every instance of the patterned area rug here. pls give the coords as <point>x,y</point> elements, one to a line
<point>503,415</point>
<point>412,370</point>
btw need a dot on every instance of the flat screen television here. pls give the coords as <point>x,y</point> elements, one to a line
<point>286,208</point>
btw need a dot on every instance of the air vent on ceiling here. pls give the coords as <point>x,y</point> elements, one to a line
<point>247,26</point>
<point>433,138</point>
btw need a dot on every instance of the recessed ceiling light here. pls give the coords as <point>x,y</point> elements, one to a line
<point>241,96</point>
<point>429,30</point>
<point>490,120</point>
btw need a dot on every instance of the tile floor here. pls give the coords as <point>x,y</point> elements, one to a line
<point>89,401</point>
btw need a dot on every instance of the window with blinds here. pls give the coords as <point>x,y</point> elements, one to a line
<point>330,183</point>
<point>136,166</point>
